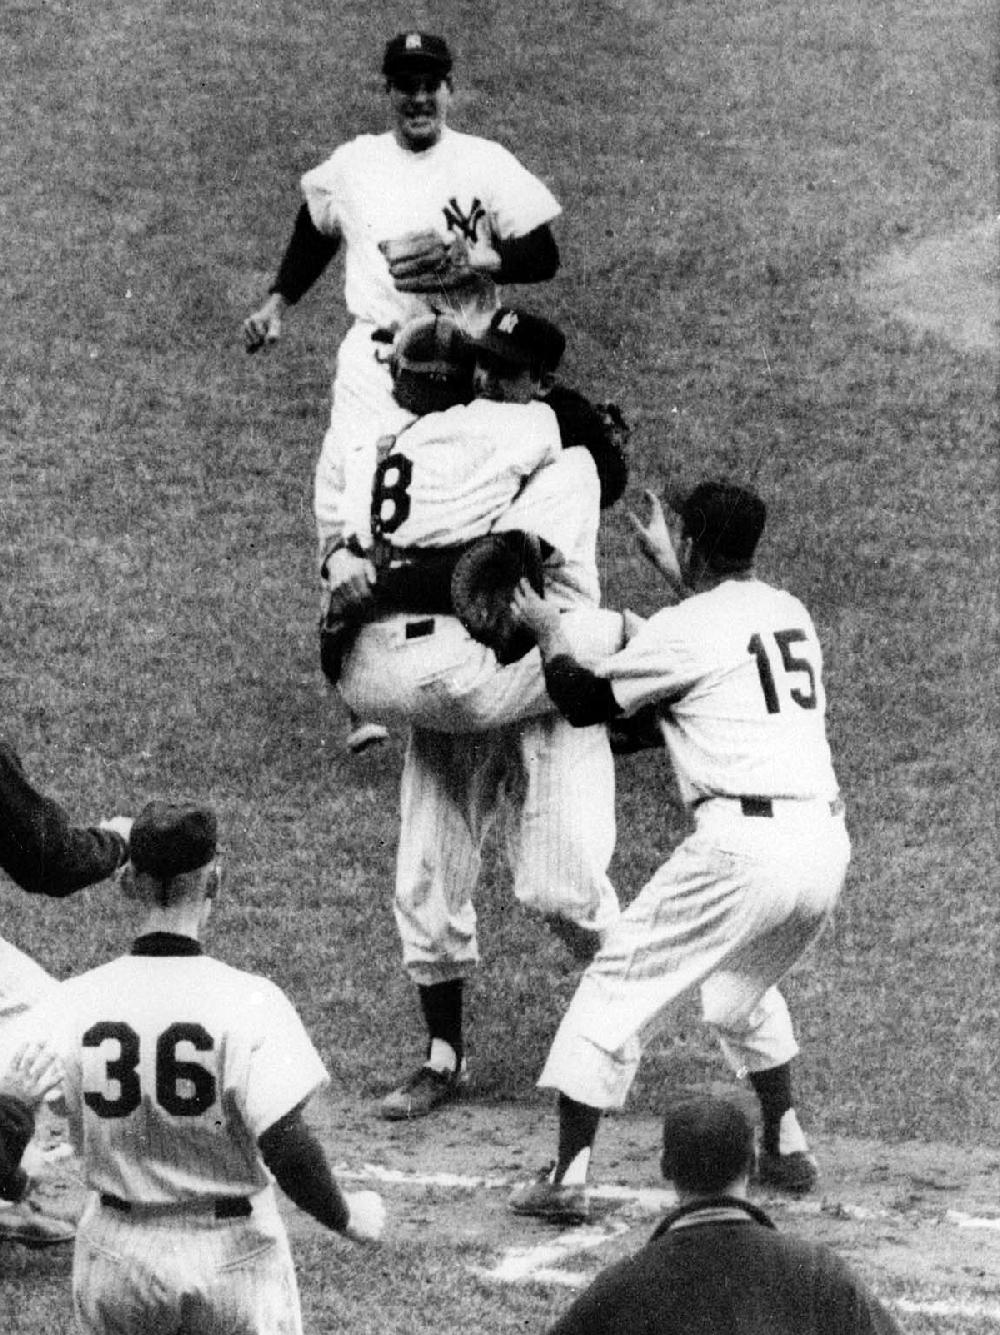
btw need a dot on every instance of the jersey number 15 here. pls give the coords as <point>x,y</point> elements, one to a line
<point>803,692</point>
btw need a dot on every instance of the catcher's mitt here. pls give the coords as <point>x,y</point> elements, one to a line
<point>483,584</point>
<point>425,262</point>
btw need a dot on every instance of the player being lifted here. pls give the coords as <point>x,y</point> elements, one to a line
<point>488,422</point>
<point>185,1081</point>
<point>472,728</point>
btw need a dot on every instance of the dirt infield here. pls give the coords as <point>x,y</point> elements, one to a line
<point>920,1221</point>
<point>946,285</point>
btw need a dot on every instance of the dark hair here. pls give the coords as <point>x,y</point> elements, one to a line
<point>707,1143</point>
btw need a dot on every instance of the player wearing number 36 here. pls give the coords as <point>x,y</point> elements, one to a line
<point>734,674</point>
<point>184,1077</point>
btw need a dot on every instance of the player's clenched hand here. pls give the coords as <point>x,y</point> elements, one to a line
<point>33,1072</point>
<point>656,542</point>
<point>263,328</point>
<point>349,579</point>
<point>539,616</point>
<point>366,1216</point>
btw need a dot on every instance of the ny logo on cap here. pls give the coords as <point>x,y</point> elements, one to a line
<point>508,323</point>
<point>413,42</point>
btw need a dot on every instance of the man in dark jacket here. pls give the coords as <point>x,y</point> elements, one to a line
<point>716,1265</point>
<point>45,855</point>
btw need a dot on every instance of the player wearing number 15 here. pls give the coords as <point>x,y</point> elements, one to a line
<point>184,1078</point>
<point>734,672</point>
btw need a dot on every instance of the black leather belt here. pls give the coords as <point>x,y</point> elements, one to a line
<point>763,806</point>
<point>419,630</point>
<point>224,1207</point>
<point>756,806</point>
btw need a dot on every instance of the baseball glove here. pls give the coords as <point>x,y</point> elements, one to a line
<point>425,262</point>
<point>483,584</point>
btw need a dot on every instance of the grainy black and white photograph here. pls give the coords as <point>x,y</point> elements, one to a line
<point>498,576</point>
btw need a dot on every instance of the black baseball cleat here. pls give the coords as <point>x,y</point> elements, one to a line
<point>425,1090</point>
<point>553,1202</point>
<point>794,1174</point>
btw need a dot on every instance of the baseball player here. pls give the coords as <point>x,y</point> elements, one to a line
<point>185,1081</point>
<point>481,439</point>
<point>45,855</point>
<point>682,1281</point>
<point>736,673</point>
<point>489,222</point>
<point>451,781</point>
<point>31,1075</point>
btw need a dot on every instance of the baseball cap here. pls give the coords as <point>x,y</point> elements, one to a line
<point>522,339</point>
<point>431,366</point>
<point>168,839</point>
<point>416,51</point>
<point>723,520</point>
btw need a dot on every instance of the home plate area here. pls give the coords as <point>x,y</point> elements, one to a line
<point>920,1222</point>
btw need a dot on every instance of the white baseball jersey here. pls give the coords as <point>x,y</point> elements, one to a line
<point>372,190</point>
<point>738,671</point>
<point>449,476</point>
<point>741,671</point>
<point>175,1065</point>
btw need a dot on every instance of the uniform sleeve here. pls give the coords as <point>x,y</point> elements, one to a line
<point>323,189</point>
<point>39,848</point>
<point>660,663</point>
<point>519,202</point>
<point>17,1126</point>
<point>283,1069</point>
<point>580,424</point>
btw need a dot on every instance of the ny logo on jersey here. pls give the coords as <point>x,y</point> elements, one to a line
<point>508,323</point>
<point>465,224</point>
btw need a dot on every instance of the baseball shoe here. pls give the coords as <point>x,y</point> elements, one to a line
<point>795,1174</point>
<point>425,1090</point>
<point>555,1202</point>
<point>365,736</point>
<point>29,1226</point>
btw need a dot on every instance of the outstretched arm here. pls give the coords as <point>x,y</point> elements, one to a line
<point>307,254</point>
<point>296,1158</point>
<point>40,849</point>
<point>581,697</point>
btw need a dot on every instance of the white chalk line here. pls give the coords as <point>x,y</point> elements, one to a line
<point>537,1264</point>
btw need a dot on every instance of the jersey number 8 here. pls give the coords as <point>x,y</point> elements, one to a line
<point>183,1088</point>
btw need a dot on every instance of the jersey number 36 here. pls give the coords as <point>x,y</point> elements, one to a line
<point>183,1088</point>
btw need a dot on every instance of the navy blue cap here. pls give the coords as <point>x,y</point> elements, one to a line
<point>416,51</point>
<point>522,339</point>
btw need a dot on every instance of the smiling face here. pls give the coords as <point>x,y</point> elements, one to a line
<point>419,100</point>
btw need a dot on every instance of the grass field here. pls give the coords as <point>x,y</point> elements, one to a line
<point>729,173</point>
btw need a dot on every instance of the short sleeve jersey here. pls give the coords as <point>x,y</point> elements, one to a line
<point>372,190</point>
<point>174,1066</point>
<point>449,476</point>
<point>738,673</point>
